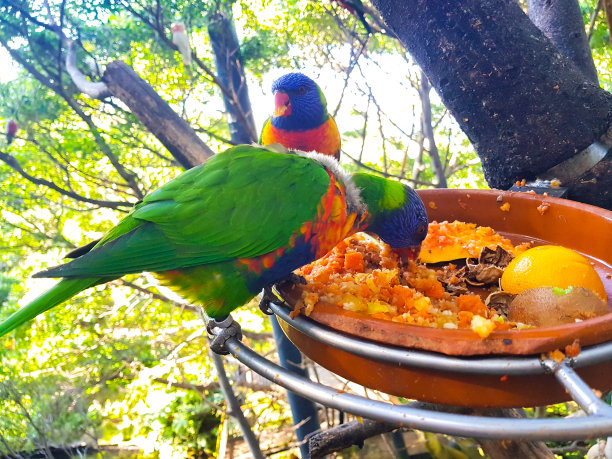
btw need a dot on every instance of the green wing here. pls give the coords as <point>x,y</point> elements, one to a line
<point>242,203</point>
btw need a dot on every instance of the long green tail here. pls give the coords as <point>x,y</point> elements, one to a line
<point>57,294</point>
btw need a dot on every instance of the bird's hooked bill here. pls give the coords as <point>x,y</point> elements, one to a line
<point>407,254</point>
<point>282,104</point>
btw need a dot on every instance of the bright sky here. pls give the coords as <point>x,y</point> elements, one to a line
<point>9,68</point>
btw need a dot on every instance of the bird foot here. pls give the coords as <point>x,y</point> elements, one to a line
<point>220,332</point>
<point>267,296</point>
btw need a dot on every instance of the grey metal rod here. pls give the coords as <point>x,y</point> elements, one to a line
<point>432,421</point>
<point>234,407</point>
<point>579,390</point>
<point>431,360</point>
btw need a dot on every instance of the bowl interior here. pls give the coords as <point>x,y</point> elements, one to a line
<point>580,227</point>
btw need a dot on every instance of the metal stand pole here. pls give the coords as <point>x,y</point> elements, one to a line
<point>304,411</point>
<point>234,407</point>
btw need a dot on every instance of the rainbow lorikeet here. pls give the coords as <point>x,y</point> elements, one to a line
<point>244,220</point>
<point>300,119</point>
<point>11,131</point>
<point>356,7</point>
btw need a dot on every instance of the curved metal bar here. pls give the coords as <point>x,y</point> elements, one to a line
<point>579,390</point>
<point>432,421</point>
<point>431,360</point>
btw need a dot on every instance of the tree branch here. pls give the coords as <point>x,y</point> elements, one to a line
<point>607,6</point>
<point>16,397</point>
<point>128,176</point>
<point>344,436</point>
<point>14,164</point>
<point>360,164</point>
<point>593,18</point>
<point>158,27</point>
<point>429,133</point>
<point>157,116</point>
<point>97,90</point>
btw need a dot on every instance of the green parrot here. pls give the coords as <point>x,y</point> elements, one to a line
<point>223,231</point>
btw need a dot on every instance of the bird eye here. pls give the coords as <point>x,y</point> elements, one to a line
<point>422,229</point>
<point>302,89</point>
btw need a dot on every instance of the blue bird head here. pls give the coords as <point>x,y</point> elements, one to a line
<point>397,214</point>
<point>405,227</point>
<point>299,103</point>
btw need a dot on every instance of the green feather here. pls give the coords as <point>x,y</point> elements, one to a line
<point>192,220</point>
<point>381,194</point>
<point>57,294</point>
<point>242,203</point>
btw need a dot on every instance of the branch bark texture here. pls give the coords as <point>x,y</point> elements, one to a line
<point>427,129</point>
<point>561,21</point>
<point>325,442</point>
<point>157,116</point>
<point>523,106</point>
<point>230,72</point>
<point>14,164</point>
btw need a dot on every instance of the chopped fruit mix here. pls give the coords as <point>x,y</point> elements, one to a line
<point>363,275</point>
<point>542,286</point>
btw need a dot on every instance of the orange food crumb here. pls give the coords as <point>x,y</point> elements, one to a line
<point>573,350</point>
<point>353,261</point>
<point>504,378</point>
<point>432,205</point>
<point>556,355</point>
<point>543,208</point>
<point>505,207</point>
<point>555,183</point>
<point>472,303</point>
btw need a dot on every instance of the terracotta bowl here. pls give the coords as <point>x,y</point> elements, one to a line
<point>581,227</point>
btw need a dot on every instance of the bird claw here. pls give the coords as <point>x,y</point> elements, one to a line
<point>268,296</point>
<point>294,279</point>
<point>220,332</point>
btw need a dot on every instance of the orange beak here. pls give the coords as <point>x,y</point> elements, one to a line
<point>282,104</point>
<point>407,254</point>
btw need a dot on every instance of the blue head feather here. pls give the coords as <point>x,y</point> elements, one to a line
<point>397,213</point>
<point>308,104</point>
<point>405,226</point>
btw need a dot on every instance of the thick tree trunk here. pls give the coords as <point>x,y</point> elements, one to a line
<point>230,72</point>
<point>523,106</point>
<point>157,116</point>
<point>561,21</point>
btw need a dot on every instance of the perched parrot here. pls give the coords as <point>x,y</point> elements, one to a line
<point>181,40</point>
<point>222,231</point>
<point>11,131</point>
<point>300,119</point>
<point>356,7</point>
